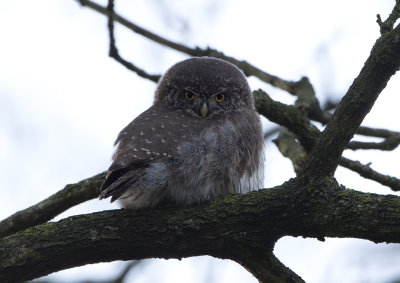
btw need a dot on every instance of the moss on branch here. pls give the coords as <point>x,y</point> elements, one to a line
<point>257,219</point>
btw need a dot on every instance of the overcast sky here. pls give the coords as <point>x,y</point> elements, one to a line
<point>63,102</point>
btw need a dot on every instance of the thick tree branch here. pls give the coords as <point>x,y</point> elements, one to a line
<point>219,228</point>
<point>49,208</point>
<point>288,116</point>
<point>382,63</point>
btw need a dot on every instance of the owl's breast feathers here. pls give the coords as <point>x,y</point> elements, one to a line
<point>165,154</point>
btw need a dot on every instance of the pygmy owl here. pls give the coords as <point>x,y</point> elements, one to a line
<point>200,140</point>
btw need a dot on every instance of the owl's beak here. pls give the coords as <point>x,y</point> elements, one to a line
<point>204,110</point>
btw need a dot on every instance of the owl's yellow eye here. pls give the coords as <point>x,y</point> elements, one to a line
<point>220,97</point>
<point>189,96</point>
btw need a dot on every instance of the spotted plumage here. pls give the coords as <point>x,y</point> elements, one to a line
<point>200,140</point>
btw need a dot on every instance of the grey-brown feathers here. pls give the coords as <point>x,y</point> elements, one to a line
<point>200,140</point>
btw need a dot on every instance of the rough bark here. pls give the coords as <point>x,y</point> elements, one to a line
<point>71,195</point>
<point>381,65</point>
<point>223,229</point>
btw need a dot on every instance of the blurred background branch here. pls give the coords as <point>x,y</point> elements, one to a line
<point>120,278</point>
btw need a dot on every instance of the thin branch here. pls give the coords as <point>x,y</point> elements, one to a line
<point>268,269</point>
<point>379,133</point>
<point>247,68</point>
<point>135,28</point>
<point>367,172</point>
<point>390,143</point>
<point>49,208</point>
<point>387,26</point>
<point>271,132</point>
<point>381,65</point>
<point>329,105</point>
<point>127,269</point>
<point>362,130</point>
<point>113,52</point>
<point>119,279</point>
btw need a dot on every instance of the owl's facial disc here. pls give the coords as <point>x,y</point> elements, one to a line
<point>200,108</point>
<point>202,105</point>
<point>203,79</point>
<point>211,104</point>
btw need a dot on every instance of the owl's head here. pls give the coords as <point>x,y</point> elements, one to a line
<point>204,87</point>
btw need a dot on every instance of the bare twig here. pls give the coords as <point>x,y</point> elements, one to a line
<point>128,268</point>
<point>366,172</point>
<point>379,133</point>
<point>329,105</point>
<point>119,279</point>
<point>47,209</point>
<point>113,52</point>
<point>271,132</point>
<point>390,143</point>
<point>247,68</point>
<point>362,130</point>
<point>387,25</point>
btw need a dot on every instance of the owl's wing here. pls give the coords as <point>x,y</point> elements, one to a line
<point>129,166</point>
<point>139,145</point>
<point>144,148</point>
<point>120,178</point>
